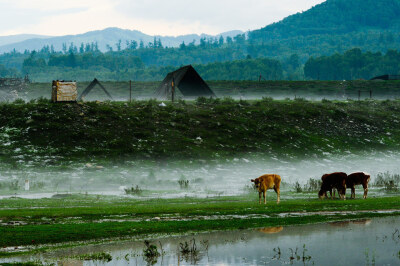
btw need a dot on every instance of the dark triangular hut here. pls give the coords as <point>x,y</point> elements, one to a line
<point>90,87</point>
<point>187,80</point>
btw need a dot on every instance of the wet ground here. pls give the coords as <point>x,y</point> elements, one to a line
<point>359,242</point>
<point>206,178</point>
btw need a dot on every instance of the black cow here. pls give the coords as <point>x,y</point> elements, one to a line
<point>334,180</point>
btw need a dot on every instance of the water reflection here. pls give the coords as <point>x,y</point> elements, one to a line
<point>271,230</point>
<point>347,223</point>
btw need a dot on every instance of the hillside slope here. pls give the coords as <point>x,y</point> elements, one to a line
<point>209,128</point>
<point>336,17</point>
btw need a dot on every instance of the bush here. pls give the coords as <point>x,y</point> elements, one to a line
<point>43,100</point>
<point>133,190</point>
<point>19,101</point>
<point>325,101</point>
<point>183,183</point>
<point>312,185</point>
<point>150,252</point>
<point>297,187</point>
<point>228,100</point>
<point>300,99</point>
<point>201,100</point>
<point>243,102</point>
<point>389,182</point>
<point>267,99</point>
<point>204,101</point>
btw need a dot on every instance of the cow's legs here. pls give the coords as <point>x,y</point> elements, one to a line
<point>259,197</point>
<point>353,192</point>
<point>278,192</point>
<point>365,190</point>
<point>265,199</point>
<point>341,193</point>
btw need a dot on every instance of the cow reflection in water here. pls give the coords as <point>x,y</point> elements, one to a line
<point>265,182</point>
<point>271,230</point>
<point>346,223</point>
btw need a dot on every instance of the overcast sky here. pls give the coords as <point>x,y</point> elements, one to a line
<point>154,17</point>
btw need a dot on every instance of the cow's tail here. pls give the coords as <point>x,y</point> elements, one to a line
<point>277,181</point>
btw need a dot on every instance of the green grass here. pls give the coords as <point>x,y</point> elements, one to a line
<point>114,217</point>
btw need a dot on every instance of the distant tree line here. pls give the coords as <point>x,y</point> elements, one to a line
<point>353,64</point>
<point>133,64</point>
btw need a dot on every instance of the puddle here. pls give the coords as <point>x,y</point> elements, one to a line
<point>366,241</point>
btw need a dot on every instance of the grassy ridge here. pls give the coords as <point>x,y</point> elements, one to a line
<point>111,217</point>
<point>207,128</point>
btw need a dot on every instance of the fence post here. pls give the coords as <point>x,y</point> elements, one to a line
<point>130,91</point>
<point>173,89</point>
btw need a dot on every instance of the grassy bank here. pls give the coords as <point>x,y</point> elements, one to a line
<point>89,218</point>
<point>205,128</point>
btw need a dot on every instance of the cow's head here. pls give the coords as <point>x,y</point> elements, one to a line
<point>256,182</point>
<point>322,194</point>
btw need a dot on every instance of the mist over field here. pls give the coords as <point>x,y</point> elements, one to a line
<point>229,176</point>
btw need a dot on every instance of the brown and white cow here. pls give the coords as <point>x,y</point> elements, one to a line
<point>358,178</point>
<point>265,182</point>
<point>334,180</point>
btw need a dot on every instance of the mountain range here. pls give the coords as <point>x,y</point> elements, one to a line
<point>104,38</point>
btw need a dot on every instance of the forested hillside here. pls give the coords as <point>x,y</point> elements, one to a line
<point>335,17</point>
<point>353,64</point>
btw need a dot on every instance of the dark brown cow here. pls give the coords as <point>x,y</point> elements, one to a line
<point>358,178</point>
<point>265,182</point>
<point>334,180</point>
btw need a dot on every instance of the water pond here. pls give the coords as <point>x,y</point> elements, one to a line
<point>359,242</point>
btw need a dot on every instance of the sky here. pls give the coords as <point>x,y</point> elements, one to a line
<point>153,17</point>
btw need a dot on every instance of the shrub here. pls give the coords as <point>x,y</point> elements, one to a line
<point>201,100</point>
<point>297,187</point>
<point>150,252</point>
<point>389,182</point>
<point>43,100</point>
<point>19,101</point>
<point>267,99</point>
<point>183,183</point>
<point>312,185</point>
<point>133,190</point>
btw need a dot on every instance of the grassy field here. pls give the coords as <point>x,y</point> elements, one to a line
<point>250,89</point>
<point>80,217</point>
